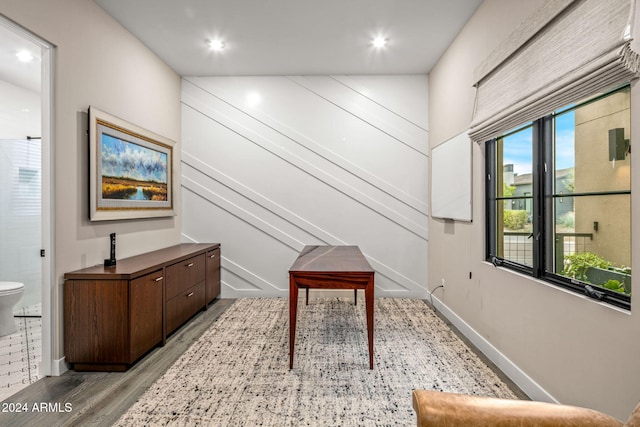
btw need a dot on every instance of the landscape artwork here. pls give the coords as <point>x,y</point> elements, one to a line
<point>130,170</point>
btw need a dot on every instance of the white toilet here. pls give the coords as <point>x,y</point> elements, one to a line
<point>10,294</point>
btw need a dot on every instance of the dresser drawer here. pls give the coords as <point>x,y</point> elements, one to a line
<point>183,306</point>
<point>184,275</point>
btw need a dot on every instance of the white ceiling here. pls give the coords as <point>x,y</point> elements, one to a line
<point>275,37</point>
<point>26,75</point>
<point>294,37</point>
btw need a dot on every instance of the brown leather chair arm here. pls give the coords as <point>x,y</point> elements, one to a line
<point>634,419</point>
<point>455,410</point>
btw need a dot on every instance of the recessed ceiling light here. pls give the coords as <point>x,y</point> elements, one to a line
<point>25,56</point>
<point>216,45</point>
<point>379,42</point>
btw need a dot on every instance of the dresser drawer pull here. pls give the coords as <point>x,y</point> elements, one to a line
<point>190,294</point>
<point>159,279</point>
<point>190,264</point>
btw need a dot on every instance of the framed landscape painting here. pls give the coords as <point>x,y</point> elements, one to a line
<point>130,170</point>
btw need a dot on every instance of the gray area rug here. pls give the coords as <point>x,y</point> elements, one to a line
<point>238,374</point>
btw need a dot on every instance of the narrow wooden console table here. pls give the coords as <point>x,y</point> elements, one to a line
<point>330,267</point>
<point>114,315</point>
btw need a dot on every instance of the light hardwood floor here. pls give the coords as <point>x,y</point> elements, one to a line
<point>100,398</point>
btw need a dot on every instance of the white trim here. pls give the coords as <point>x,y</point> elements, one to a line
<point>510,369</point>
<point>59,367</point>
<point>49,284</point>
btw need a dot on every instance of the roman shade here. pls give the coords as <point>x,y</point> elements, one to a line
<point>565,51</point>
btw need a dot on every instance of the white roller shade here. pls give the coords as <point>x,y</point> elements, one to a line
<point>567,50</point>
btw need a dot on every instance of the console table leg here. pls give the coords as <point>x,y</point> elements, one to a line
<point>369,291</point>
<point>293,311</point>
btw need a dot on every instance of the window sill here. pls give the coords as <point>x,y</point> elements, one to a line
<point>559,288</point>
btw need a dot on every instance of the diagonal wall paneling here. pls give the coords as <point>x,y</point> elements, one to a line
<point>271,164</point>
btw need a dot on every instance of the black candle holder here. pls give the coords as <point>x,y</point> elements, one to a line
<point>112,260</point>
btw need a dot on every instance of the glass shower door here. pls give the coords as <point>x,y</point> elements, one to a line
<point>21,220</point>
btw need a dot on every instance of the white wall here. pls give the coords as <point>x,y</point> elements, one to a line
<point>97,63</point>
<point>271,164</point>
<point>17,99</point>
<point>558,345</point>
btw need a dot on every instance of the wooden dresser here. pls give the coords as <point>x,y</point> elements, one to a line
<point>114,315</point>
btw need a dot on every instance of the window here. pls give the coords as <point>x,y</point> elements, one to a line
<point>559,198</point>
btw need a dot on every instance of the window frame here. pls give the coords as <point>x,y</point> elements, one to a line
<point>543,221</point>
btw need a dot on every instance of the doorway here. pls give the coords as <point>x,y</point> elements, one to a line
<point>26,226</point>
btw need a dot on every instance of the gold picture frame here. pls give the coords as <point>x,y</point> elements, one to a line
<point>130,168</point>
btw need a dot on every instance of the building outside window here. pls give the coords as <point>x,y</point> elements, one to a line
<point>559,198</point>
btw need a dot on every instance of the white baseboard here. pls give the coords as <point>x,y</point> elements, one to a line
<point>58,367</point>
<point>510,369</point>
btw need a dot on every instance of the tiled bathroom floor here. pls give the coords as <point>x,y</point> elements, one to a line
<point>20,353</point>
